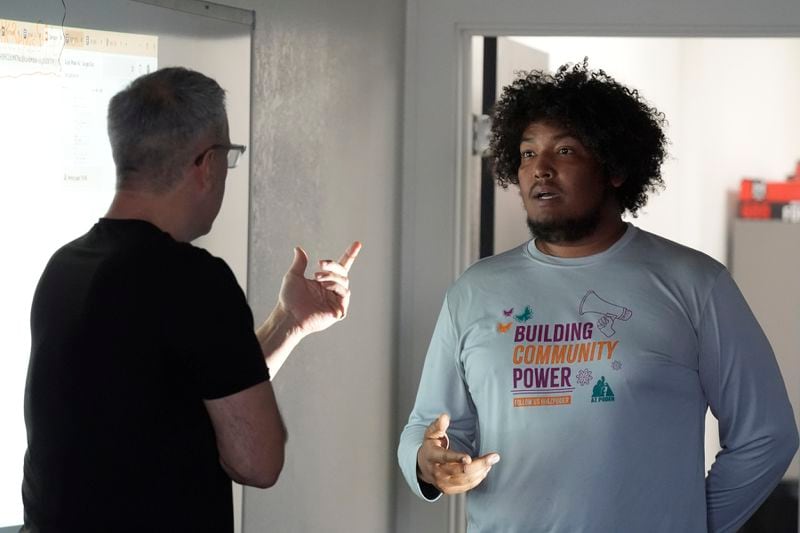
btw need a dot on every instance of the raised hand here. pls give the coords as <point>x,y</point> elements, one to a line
<point>316,304</point>
<point>449,471</point>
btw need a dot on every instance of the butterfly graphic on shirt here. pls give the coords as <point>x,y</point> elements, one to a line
<point>502,328</point>
<point>508,312</point>
<point>524,316</point>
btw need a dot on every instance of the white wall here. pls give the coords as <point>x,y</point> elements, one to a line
<point>742,120</point>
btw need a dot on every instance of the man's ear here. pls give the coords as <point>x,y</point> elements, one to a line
<point>201,171</point>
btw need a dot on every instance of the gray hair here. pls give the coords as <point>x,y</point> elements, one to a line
<point>153,122</point>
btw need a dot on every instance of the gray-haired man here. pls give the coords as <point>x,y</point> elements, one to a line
<point>148,389</point>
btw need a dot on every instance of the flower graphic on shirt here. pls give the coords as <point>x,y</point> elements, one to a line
<point>584,376</point>
<point>616,365</point>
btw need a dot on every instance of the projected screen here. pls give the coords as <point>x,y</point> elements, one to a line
<point>58,178</point>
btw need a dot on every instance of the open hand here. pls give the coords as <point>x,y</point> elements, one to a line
<point>315,304</point>
<point>449,471</point>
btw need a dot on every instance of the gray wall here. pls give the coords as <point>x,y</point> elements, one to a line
<point>325,167</point>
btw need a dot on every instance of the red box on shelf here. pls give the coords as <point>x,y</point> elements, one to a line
<point>769,191</point>
<point>785,211</point>
<point>775,200</point>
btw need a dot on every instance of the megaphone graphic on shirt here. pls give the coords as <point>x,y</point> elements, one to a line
<point>593,304</point>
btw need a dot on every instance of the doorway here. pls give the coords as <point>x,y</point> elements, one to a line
<point>731,114</point>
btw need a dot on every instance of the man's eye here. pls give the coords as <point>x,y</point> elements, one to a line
<point>526,154</point>
<point>565,150</point>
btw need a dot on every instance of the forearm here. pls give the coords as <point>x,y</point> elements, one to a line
<point>278,336</point>
<point>441,390</point>
<point>410,441</point>
<point>741,478</point>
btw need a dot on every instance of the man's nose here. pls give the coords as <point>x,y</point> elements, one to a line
<point>543,168</point>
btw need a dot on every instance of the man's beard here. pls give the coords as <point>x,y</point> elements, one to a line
<point>568,229</point>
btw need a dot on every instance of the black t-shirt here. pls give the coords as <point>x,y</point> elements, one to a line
<point>130,331</point>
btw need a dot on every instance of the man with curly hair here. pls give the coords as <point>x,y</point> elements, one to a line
<point>531,343</point>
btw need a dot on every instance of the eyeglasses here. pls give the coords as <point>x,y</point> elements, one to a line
<point>234,151</point>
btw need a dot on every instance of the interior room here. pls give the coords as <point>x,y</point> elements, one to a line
<point>358,121</point>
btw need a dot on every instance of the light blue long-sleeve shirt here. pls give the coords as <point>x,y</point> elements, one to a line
<point>591,378</point>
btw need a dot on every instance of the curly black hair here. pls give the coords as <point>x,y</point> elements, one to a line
<point>614,122</point>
